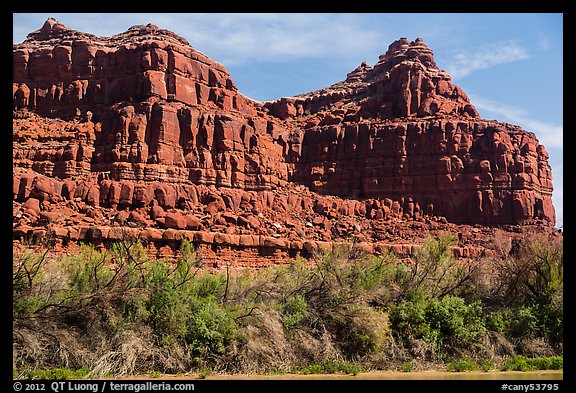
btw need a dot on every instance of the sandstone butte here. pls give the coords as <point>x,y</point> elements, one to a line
<point>139,135</point>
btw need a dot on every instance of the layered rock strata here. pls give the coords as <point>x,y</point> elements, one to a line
<point>140,133</point>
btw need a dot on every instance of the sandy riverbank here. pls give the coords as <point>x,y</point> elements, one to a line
<point>376,375</point>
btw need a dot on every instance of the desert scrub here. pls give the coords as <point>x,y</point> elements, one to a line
<point>181,308</point>
<point>433,270</point>
<point>353,368</point>
<point>185,307</point>
<point>522,363</point>
<point>274,371</point>
<point>340,312</point>
<point>536,320</point>
<point>540,320</point>
<point>331,297</point>
<point>29,281</point>
<point>528,280</point>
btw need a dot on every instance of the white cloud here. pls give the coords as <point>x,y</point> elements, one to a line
<point>466,62</point>
<point>244,38</point>
<point>549,134</point>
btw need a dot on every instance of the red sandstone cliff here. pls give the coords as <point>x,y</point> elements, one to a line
<point>404,131</point>
<point>141,132</point>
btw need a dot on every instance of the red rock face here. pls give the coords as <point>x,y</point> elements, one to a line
<point>469,171</point>
<point>142,132</point>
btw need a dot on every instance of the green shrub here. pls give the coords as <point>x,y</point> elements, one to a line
<point>28,305</point>
<point>185,308</point>
<point>532,274</point>
<point>168,306</point>
<point>295,311</point>
<point>525,321</point>
<point>535,320</point>
<point>543,283</point>
<point>548,363</point>
<point>311,369</point>
<point>556,363</point>
<point>365,330</point>
<point>347,276</point>
<point>350,368</point>
<point>446,321</point>
<point>135,309</point>
<point>407,367</point>
<point>518,363</point>
<point>499,320</point>
<point>486,365</point>
<point>432,270</point>
<point>462,365</point>
<point>459,323</point>
<point>274,371</point>
<point>354,300</point>
<point>550,319</point>
<point>409,318</point>
<point>89,271</point>
<point>206,371</point>
<point>330,366</point>
<point>55,373</point>
<point>522,363</point>
<point>210,326</point>
<point>27,281</point>
<point>208,285</point>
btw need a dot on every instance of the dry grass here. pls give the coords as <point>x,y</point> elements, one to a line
<point>127,354</point>
<point>44,344</point>
<point>267,346</point>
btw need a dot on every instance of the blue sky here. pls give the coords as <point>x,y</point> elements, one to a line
<point>510,65</point>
